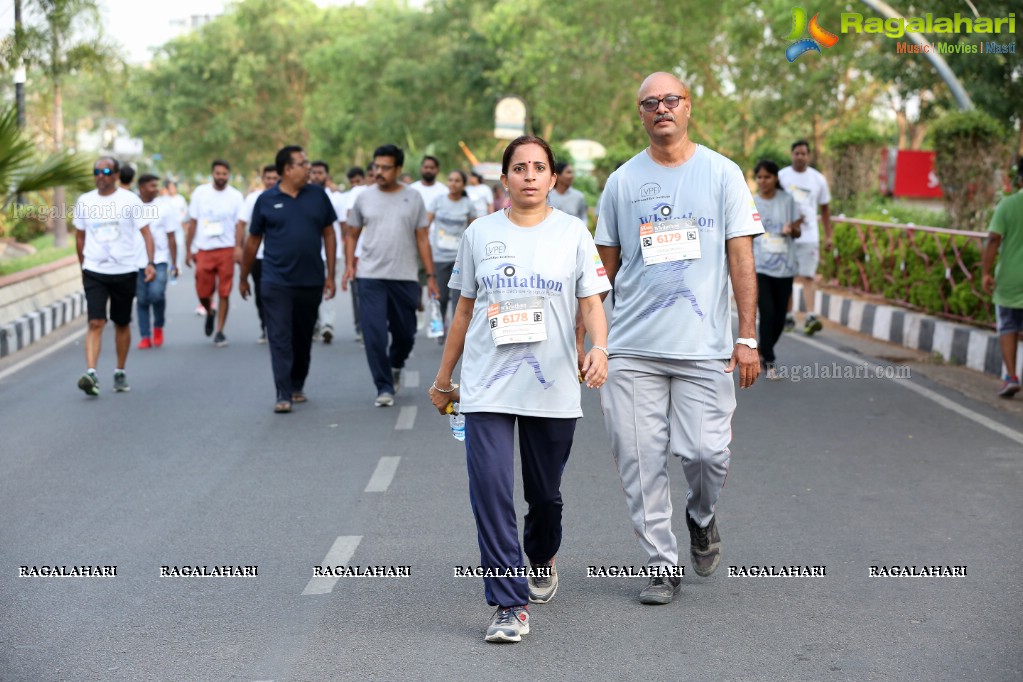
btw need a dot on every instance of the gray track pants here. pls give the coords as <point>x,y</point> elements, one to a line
<point>653,407</point>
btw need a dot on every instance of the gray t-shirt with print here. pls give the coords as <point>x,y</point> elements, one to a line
<point>677,308</point>
<point>450,218</point>
<point>775,253</point>
<point>539,272</point>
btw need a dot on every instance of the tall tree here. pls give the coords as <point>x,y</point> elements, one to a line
<point>67,39</point>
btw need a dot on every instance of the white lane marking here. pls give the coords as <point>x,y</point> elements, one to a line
<point>410,378</point>
<point>383,475</point>
<point>406,418</point>
<point>962,410</point>
<point>41,354</point>
<point>340,552</point>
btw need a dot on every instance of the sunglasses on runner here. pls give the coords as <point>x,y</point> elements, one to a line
<point>670,102</point>
<point>108,171</point>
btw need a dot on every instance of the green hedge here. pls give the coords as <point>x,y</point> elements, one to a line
<point>903,268</point>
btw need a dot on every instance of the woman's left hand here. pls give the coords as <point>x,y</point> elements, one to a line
<point>594,369</point>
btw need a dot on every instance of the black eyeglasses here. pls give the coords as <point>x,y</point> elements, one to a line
<point>102,171</point>
<point>670,102</point>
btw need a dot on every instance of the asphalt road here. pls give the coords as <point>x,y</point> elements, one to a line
<point>192,468</point>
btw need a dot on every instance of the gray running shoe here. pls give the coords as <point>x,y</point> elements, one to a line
<point>121,382</point>
<point>813,325</point>
<point>704,546</point>
<point>660,590</point>
<point>328,335</point>
<point>542,587</point>
<point>220,340</point>
<point>790,323</point>
<point>508,625</point>
<point>90,384</point>
<point>384,400</point>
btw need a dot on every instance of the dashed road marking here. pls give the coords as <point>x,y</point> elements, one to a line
<point>406,418</point>
<point>383,475</point>
<point>340,553</point>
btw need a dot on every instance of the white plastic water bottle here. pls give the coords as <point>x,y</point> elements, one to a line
<point>457,420</point>
<point>436,328</point>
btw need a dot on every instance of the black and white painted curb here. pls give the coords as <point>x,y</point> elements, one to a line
<point>29,328</point>
<point>958,344</point>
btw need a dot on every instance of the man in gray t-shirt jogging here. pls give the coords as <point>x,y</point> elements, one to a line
<point>680,220</point>
<point>392,221</point>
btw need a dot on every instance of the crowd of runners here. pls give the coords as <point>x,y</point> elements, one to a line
<point>521,281</point>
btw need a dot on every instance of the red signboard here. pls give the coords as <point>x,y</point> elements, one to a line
<point>915,176</point>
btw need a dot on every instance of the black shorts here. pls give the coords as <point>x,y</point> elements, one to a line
<point>118,289</point>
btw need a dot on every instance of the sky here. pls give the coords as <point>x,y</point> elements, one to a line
<point>140,24</point>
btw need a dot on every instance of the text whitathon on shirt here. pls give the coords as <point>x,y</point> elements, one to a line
<point>204,571</point>
<point>777,571</point>
<point>635,572</point>
<point>362,571</point>
<point>917,572</point>
<point>67,571</point>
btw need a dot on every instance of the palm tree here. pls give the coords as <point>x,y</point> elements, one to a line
<point>22,171</point>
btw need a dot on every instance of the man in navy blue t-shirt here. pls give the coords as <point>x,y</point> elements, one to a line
<point>295,219</point>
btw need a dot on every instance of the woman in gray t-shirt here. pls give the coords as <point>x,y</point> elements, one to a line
<point>775,256</point>
<point>448,216</point>
<point>522,274</point>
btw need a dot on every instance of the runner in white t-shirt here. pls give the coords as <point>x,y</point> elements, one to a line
<point>357,181</point>
<point>481,194</point>
<point>676,223</point>
<point>524,274</point>
<point>110,222</point>
<point>269,179</point>
<point>810,190</point>
<point>327,313</point>
<point>213,214</point>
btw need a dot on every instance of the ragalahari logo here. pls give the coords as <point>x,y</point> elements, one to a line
<point>818,36</point>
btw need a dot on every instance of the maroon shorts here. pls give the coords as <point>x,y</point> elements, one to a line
<point>214,270</point>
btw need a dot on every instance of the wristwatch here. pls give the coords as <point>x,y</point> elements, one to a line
<point>752,343</point>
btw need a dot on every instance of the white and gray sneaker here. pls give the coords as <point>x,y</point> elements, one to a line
<point>508,624</point>
<point>543,582</point>
<point>121,382</point>
<point>384,400</point>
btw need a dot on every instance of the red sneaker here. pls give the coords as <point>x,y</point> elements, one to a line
<point>157,336</point>
<point>144,343</point>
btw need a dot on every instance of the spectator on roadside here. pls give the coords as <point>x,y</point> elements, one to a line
<point>1005,241</point>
